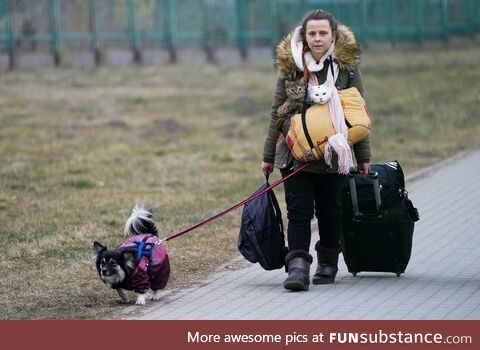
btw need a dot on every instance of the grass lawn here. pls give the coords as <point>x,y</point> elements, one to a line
<point>80,147</point>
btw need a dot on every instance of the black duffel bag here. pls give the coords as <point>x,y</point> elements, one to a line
<point>261,238</point>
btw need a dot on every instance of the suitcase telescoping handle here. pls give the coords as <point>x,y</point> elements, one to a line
<point>353,191</point>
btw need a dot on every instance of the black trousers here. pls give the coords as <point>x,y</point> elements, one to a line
<point>307,194</point>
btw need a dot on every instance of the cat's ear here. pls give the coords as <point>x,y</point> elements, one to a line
<point>287,83</point>
<point>302,80</point>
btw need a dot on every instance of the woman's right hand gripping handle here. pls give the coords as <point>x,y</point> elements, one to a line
<point>267,168</point>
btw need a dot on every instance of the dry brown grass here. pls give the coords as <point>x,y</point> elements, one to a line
<point>81,147</point>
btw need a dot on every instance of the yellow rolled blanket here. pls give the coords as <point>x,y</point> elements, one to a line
<point>308,134</point>
<point>356,115</point>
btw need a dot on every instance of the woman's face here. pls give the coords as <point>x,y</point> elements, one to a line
<point>319,37</point>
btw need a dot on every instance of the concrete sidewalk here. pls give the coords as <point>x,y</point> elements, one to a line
<point>442,280</point>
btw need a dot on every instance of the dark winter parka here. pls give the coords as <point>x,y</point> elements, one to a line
<point>347,56</point>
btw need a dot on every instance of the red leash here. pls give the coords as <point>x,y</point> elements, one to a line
<point>213,218</point>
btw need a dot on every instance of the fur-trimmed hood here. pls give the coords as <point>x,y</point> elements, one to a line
<point>347,52</point>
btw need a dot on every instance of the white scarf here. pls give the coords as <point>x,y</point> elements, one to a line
<point>337,142</point>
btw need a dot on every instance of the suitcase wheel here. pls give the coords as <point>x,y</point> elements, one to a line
<point>354,274</point>
<point>398,274</point>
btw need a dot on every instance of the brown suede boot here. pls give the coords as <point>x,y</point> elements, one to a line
<point>327,264</point>
<point>298,268</point>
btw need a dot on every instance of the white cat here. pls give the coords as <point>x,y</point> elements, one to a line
<point>320,93</point>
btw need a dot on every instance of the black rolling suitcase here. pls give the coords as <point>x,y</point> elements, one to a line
<point>378,221</point>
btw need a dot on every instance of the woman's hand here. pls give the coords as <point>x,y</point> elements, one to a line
<point>364,169</point>
<point>267,168</point>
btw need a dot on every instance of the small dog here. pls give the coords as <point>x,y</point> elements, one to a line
<point>140,264</point>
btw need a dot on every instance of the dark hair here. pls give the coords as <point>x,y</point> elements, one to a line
<point>311,16</point>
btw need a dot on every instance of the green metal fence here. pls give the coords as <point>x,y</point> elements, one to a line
<point>96,25</point>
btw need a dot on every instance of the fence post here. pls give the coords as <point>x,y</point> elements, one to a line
<point>97,54</point>
<point>391,20</point>
<point>471,12</point>
<point>54,18</point>
<point>476,20</point>
<point>301,9</point>
<point>10,23</point>
<point>275,37</point>
<point>364,19</point>
<point>335,9</point>
<point>170,28</point>
<point>419,19</point>
<point>445,21</point>
<point>134,35</point>
<point>208,43</point>
<point>242,28</point>
<point>157,13</point>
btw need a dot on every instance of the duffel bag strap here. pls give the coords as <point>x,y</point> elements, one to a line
<point>276,208</point>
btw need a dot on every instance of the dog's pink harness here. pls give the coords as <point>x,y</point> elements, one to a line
<point>153,266</point>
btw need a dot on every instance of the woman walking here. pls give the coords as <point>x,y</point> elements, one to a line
<point>315,49</point>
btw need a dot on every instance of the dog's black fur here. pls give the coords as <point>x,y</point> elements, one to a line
<point>113,265</point>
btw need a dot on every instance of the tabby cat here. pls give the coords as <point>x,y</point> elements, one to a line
<point>295,91</point>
